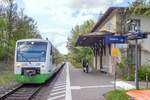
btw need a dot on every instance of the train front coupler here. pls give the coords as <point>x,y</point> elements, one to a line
<point>30,71</point>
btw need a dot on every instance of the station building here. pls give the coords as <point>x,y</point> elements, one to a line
<point>115,21</point>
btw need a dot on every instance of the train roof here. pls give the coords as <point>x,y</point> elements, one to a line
<point>42,40</point>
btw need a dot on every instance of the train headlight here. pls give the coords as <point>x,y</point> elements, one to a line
<point>18,65</point>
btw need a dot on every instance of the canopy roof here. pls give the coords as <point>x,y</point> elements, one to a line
<point>90,39</point>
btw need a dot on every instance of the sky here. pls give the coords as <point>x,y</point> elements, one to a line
<point>56,18</point>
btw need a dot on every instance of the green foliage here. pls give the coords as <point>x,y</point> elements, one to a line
<point>14,26</point>
<point>76,56</point>
<point>123,66</point>
<point>6,77</point>
<point>143,70</point>
<point>125,63</point>
<point>131,78</point>
<point>140,7</point>
<point>58,57</point>
<point>77,53</point>
<point>117,95</point>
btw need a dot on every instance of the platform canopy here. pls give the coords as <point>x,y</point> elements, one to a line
<point>90,39</point>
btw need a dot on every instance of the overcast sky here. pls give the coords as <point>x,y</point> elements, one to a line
<point>56,18</point>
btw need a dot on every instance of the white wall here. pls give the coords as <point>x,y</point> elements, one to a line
<point>145,58</point>
<point>144,27</point>
<point>145,23</point>
<point>106,61</point>
<point>145,43</point>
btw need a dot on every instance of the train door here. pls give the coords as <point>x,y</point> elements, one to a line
<point>51,53</point>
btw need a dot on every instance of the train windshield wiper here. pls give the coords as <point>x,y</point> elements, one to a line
<point>26,59</point>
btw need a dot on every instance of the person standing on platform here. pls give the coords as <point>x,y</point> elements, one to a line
<point>85,65</point>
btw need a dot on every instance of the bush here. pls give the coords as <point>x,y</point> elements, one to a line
<point>122,68</point>
<point>117,95</point>
<point>143,70</point>
<point>6,77</point>
<point>131,78</point>
<point>76,65</point>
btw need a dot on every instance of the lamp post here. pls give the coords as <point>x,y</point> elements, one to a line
<point>135,29</point>
<point>136,64</point>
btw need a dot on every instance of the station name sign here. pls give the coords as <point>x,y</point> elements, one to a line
<point>115,39</point>
<point>137,35</point>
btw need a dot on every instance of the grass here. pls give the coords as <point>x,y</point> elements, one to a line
<point>117,95</point>
<point>77,65</point>
<point>6,77</point>
<point>6,73</point>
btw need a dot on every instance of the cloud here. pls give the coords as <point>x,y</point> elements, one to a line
<point>56,18</point>
<point>119,1</point>
<point>1,1</point>
<point>82,4</point>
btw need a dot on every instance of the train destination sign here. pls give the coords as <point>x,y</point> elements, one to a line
<point>115,39</point>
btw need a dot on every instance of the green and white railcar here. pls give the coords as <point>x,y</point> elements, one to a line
<point>34,61</point>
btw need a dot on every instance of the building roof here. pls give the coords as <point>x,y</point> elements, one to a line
<point>90,39</point>
<point>105,15</point>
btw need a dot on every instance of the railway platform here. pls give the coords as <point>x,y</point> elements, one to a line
<point>89,86</point>
<point>74,84</point>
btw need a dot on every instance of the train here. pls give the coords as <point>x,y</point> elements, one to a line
<point>34,61</point>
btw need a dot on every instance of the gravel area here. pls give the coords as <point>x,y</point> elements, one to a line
<point>8,86</point>
<point>45,91</point>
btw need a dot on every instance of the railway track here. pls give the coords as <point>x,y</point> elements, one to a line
<point>23,91</point>
<point>20,92</point>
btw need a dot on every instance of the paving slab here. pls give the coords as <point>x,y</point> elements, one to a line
<point>89,86</point>
<point>74,84</point>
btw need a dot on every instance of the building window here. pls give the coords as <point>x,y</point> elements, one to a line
<point>132,55</point>
<point>109,26</point>
<point>134,25</point>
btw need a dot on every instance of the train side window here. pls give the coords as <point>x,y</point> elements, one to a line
<point>51,51</point>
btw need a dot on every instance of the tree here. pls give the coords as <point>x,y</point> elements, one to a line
<point>25,27</point>
<point>58,58</point>
<point>77,53</point>
<point>3,45</point>
<point>9,11</point>
<point>14,25</point>
<point>140,7</point>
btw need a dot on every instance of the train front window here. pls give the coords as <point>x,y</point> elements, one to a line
<point>31,51</point>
